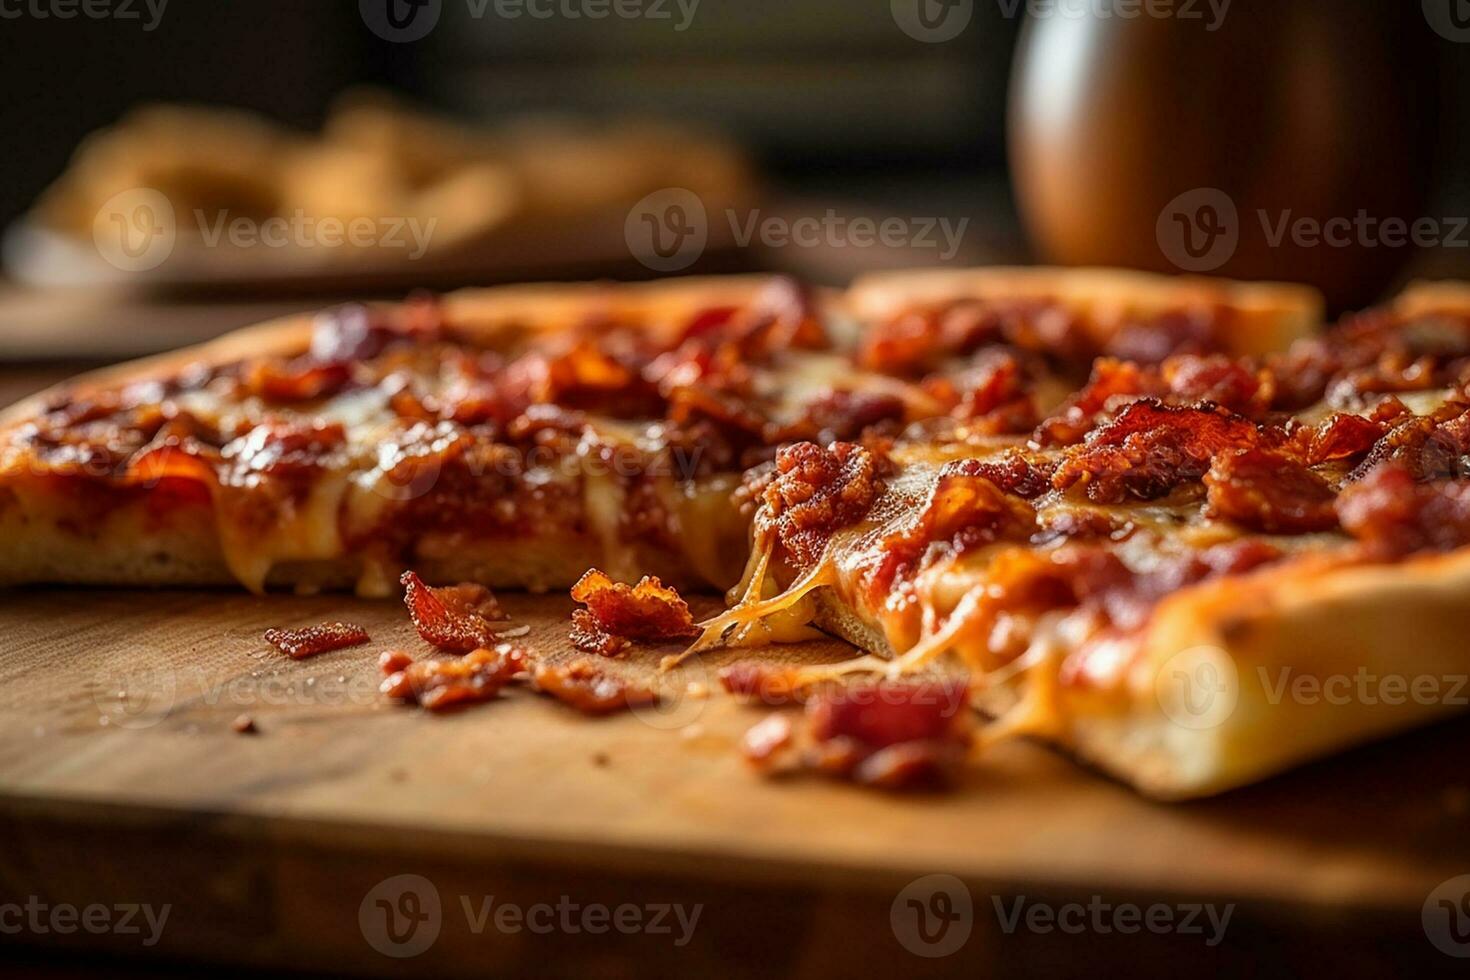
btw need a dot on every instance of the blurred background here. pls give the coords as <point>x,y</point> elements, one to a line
<point>556,139</point>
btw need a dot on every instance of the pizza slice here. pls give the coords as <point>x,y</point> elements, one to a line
<point>517,436</point>
<point>1194,573</point>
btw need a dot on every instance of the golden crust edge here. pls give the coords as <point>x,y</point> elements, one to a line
<point>1393,624</point>
<point>1270,315</point>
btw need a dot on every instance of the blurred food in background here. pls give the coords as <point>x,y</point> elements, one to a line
<point>414,198</point>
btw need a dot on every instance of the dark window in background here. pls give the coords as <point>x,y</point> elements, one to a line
<point>817,87</point>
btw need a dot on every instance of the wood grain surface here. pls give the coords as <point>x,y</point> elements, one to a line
<point>121,780</point>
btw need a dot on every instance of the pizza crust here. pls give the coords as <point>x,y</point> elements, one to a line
<point>1266,316</point>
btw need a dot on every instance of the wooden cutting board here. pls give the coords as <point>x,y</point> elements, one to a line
<point>122,781</point>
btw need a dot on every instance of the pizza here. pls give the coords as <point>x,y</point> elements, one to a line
<point>1080,491</point>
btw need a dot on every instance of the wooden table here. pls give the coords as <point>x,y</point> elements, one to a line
<point>121,780</point>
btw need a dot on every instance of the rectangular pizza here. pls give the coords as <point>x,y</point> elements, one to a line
<point>1129,511</point>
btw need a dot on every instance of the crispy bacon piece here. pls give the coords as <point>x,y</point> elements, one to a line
<point>965,511</point>
<point>1111,383</point>
<point>299,380</point>
<point>1428,446</point>
<point>767,737</point>
<point>438,684</point>
<point>1394,515</point>
<point>589,687</point>
<point>1341,436</point>
<point>1150,449</point>
<point>1237,385</point>
<point>763,682</point>
<point>890,734</point>
<point>299,644</point>
<point>839,415</point>
<point>284,448</point>
<point>816,492</point>
<point>1268,491</point>
<point>616,613</point>
<point>454,618</point>
<point>348,334</point>
<point>1013,473</point>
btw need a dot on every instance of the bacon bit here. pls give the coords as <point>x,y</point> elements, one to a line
<point>1393,515</point>
<point>347,335</point>
<point>781,317</point>
<point>452,618</point>
<point>840,415</point>
<point>1236,385</point>
<point>816,492</point>
<point>649,612</point>
<point>888,734</point>
<point>1267,491</point>
<point>589,688</point>
<point>1429,446</point>
<point>588,635</point>
<point>1176,332</point>
<point>298,380</point>
<point>965,511</point>
<point>284,448</point>
<point>1150,449</point>
<point>300,644</point>
<point>1112,381</point>
<point>438,684</point>
<point>1013,473</point>
<point>243,725</point>
<point>763,682</point>
<point>1342,436</point>
<point>766,738</point>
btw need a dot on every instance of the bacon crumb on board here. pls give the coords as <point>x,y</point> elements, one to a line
<point>890,734</point>
<point>244,725</point>
<point>438,684</point>
<point>298,644</point>
<point>455,618</point>
<point>617,614</point>
<point>590,688</point>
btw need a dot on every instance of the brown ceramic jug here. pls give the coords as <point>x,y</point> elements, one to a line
<point>1278,140</point>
